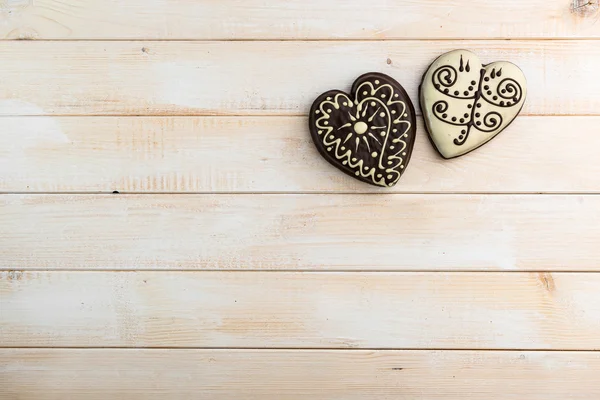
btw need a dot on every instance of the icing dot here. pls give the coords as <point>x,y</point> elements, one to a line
<point>466,93</point>
<point>382,115</point>
<point>394,130</point>
<point>477,115</point>
<point>389,176</point>
<point>516,100</point>
<point>466,115</point>
<point>489,92</point>
<point>503,91</point>
<point>486,87</point>
<point>453,119</point>
<point>456,92</point>
<point>382,133</point>
<point>393,111</point>
<point>344,162</point>
<point>390,162</point>
<point>357,173</point>
<point>343,148</point>
<point>360,127</point>
<point>379,175</point>
<point>345,103</point>
<point>508,103</point>
<point>461,120</point>
<point>495,97</point>
<point>329,98</point>
<point>470,106</point>
<point>365,93</point>
<point>374,154</point>
<point>373,104</point>
<point>501,103</point>
<point>473,83</point>
<point>478,123</point>
<point>377,82</point>
<point>317,112</point>
<point>331,137</point>
<point>383,96</point>
<point>329,111</point>
<point>405,135</point>
<point>470,87</point>
<point>444,115</point>
<point>354,160</point>
<point>487,79</point>
<point>446,91</point>
<point>396,95</point>
<point>460,137</point>
<point>366,168</point>
<point>391,147</point>
<point>404,153</point>
<point>405,115</point>
<point>402,167</point>
<point>325,123</point>
<point>478,105</point>
<point>329,149</point>
<point>463,131</point>
<point>320,132</point>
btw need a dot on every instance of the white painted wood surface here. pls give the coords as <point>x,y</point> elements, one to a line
<point>308,232</point>
<point>301,310</point>
<point>100,374</point>
<point>173,97</point>
<point>265,78</point>
<point>188,154</point>
<point>297,19</point>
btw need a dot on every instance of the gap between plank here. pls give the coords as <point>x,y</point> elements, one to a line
<point>340,271</point>
<point>300,349</point>
<point>232,115</point>
<point>316,193</point>
<point>217,39</point>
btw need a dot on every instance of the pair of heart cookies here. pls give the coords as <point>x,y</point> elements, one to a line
<point>370,133</point>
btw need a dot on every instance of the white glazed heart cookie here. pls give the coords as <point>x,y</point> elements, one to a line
<point>465,104</point>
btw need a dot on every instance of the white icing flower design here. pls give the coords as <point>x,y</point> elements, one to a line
<point>370,133</point>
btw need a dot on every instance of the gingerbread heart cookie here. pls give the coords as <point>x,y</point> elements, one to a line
<point>368,134</point>
<point>466,104</point>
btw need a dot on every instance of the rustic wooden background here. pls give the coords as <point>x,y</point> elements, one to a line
<point>235,263</point>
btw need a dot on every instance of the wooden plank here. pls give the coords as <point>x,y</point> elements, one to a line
<point>297,19</point>
<point>223,231</point>
<point>301,310</point>
<point>199,78</point>
<point>323,375</point>
<point>275,154</point>
<point>309,232</point>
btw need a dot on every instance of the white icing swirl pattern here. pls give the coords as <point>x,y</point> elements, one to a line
<point>369,134</point>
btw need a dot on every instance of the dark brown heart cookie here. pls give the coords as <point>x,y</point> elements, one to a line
<point>368,134</point>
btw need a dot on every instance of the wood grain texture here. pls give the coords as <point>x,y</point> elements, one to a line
<point>296,19</point>
<point>312,232</point>
<point>312,375</point>
<point>242,293</point>
<point>202,78</point>
<point>301,310</point>
<point>276,154</point>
